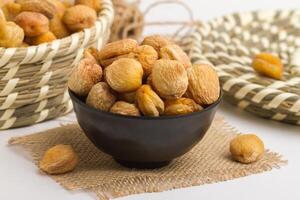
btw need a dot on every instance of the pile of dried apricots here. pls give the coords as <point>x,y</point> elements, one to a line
<point>154,78</point>
<point>33,22</point>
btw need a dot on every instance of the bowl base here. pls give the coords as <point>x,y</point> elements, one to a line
<point>142,165</point>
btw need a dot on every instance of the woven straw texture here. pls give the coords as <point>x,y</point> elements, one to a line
<point>230,43</point>
<point>208,162</point>
<point>33,80</point>
<point>128,21</point>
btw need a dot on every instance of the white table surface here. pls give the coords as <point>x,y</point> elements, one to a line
<point>20,179</point>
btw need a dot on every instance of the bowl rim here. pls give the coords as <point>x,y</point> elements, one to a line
<point>94,110</point>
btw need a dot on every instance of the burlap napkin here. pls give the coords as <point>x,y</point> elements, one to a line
<point>97,172</point>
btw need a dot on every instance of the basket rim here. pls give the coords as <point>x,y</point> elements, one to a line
<point>106,14</point>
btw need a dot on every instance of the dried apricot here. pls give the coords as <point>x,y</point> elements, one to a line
<point>58,28</point>
<point>157,42</point>
<point>11,35</point>
<point>101,97</point>
<point>84,76</point>
<point>59,7</point>
<point>118,48</point>
<point>268,65</point>
<point>174,52</point>
<point>147,56</point>
<point>169,79</point>
<point>149,103</point>
<point>204,85</point>
<point>11,10</point>
<point>91,53</point>
<point>44,7</point>
<point>124,75</point>
<point>181,106</point>
<point>124,108</point>
<point>106,62</point>
<point>59,159</point>
<point>33,23</point>
<point>79,17</point>
<point>247,148</point>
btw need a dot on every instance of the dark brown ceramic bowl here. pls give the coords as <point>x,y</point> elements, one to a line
<point>143,142</point>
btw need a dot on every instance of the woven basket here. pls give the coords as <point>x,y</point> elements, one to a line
<point>230,43</point>
<point>33,80</point>
<point>128,21</point>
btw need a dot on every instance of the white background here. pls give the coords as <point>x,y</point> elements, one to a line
<point>20,179</point>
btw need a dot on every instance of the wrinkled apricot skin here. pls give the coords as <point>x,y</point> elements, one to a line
<point>13,38</point>
<point>101,97</point>
<point>118,48</point>
<point>11,35</point>
<point>181,106</point>
<point>149,103</point>
<point>124,75</point>
<point>247,148</point>
<point>169,79</point>
<point>59,159</point>
<point>45,7</point>
<point>204,86</point>
<point>147,56</point>
<point>79,17</point>
<point>33,24</point>
<point>11,10</point>
<point>268,65</point>
<point>174,52</point>
<point>105,63</point>
<point>58,28</point>
<point>84,76</point>
<point>125,108</point>
<point>91,53</point>
<point>60,8</point>
<point>157,42</point>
